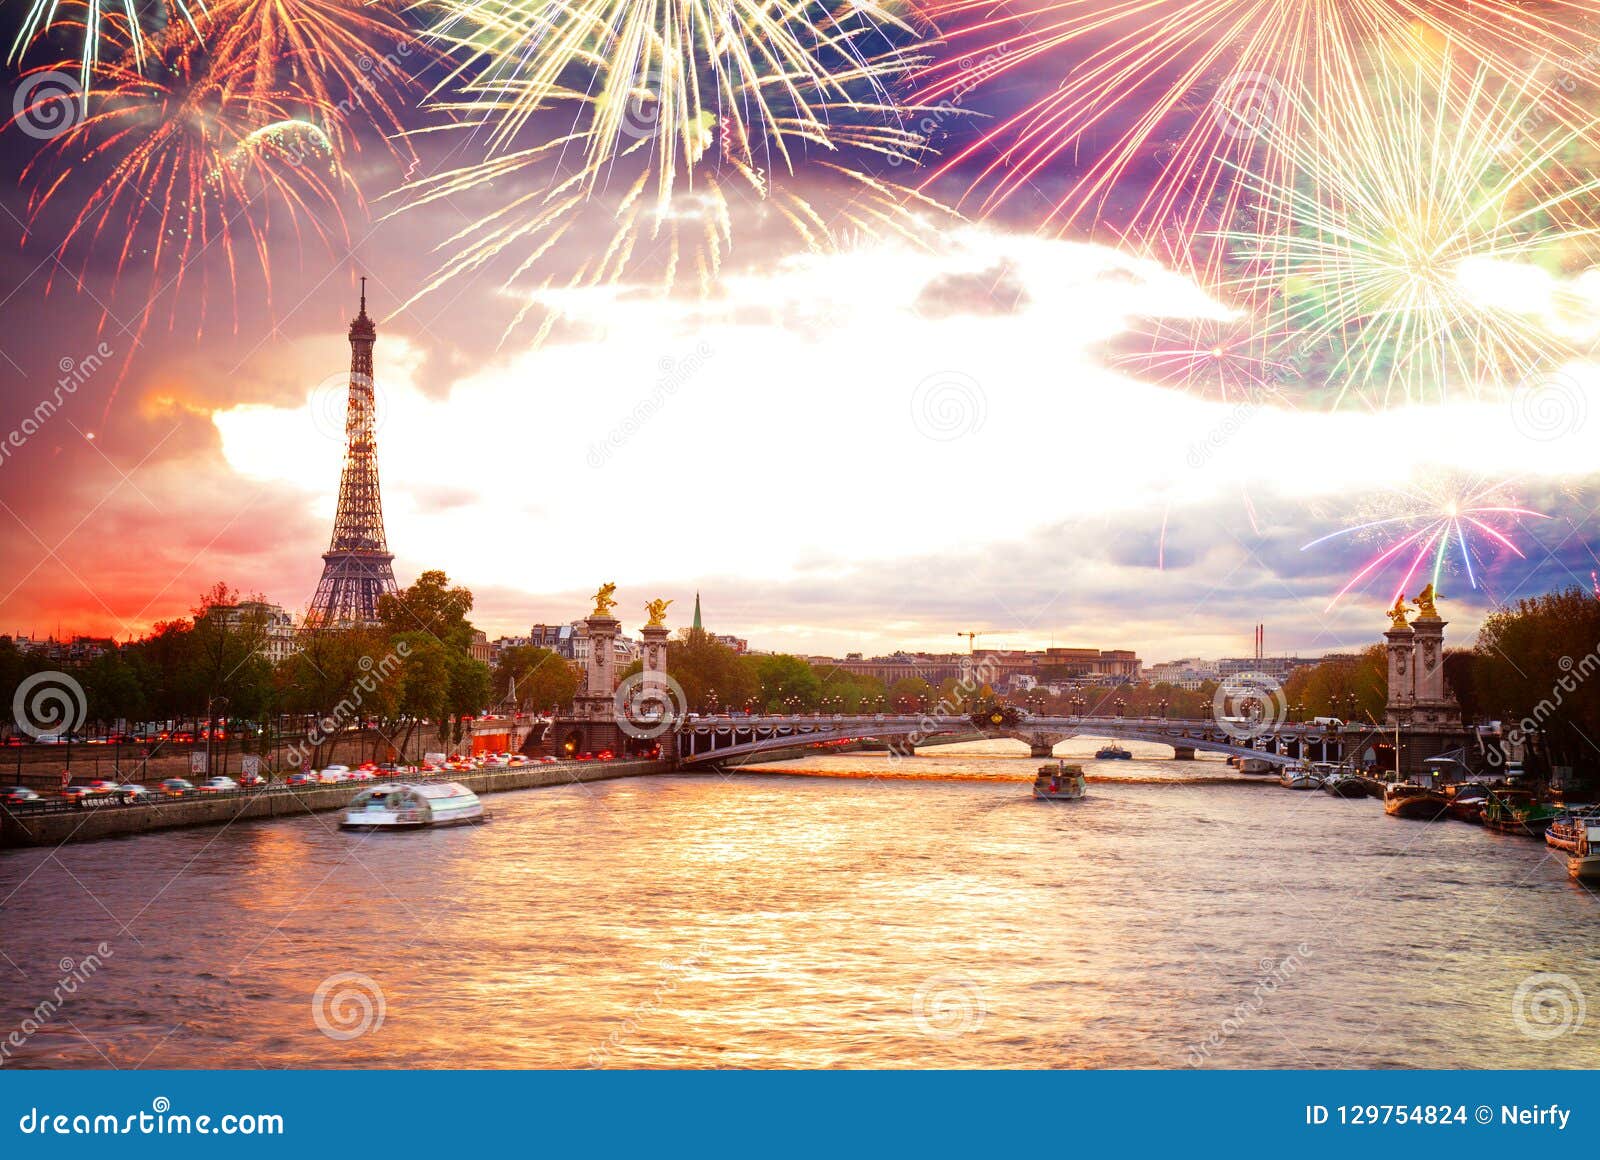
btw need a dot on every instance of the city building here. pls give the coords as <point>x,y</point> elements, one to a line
<point>1278,668</point>
<point>999,668</point>
<point>1189,673</point>
<point>479,648</point>
<point>277,625</point>
<point>571,642</point>
<point>74,650</point>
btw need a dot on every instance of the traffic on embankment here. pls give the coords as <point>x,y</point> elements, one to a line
<point>50,821</point>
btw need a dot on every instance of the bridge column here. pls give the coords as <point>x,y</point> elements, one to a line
<point>1041,746</point>
<point>1183,753</point>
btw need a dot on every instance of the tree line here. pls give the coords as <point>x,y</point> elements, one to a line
<point>411,676</point>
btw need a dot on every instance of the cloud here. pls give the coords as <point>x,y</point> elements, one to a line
<point>814,427</point>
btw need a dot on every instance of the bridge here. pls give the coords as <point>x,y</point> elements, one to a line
<point>703,740</point>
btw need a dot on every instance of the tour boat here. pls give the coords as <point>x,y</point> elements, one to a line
<point>1060,783</point>
<point>1566,831</point>
<point>1584,861</point>
<point>413,805</point>
<point>1298,776</point>
<point>1517,811</point>
<point>1113,752</point>
<point>1406,799</point>
<point>1255,765</point>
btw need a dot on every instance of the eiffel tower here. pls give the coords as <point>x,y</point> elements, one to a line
<point>356,567</point>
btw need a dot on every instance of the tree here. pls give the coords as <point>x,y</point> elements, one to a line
<point>342,677</point>
<point>849,692</point>
<point>1538,668</point>
<point>543,678</point>
<point>787,684</point>
<point>1350,688</point>
<point>430,605</point>
<point>112,689</point>
<point>705,670</point>
<point>910,694</point>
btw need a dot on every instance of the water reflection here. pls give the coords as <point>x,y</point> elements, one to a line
<point>929,914</point>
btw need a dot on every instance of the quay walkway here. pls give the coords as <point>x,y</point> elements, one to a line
<point>55,822</point>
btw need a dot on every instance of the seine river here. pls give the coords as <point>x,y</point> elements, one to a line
<point>922,913</point>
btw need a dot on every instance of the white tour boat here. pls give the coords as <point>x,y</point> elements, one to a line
<point>1060,783</point>
<point>413,806</point>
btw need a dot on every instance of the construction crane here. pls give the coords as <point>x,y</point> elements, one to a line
<point>972,637</point>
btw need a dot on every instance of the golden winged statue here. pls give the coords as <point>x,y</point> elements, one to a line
<point>1424,603</point>
<point>1397,614</point>
<point>658,612</point>
<point>603,602</point>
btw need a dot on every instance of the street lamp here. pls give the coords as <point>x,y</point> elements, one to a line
<point>210,703</point>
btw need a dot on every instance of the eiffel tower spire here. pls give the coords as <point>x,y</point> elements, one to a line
<point>356,567</point>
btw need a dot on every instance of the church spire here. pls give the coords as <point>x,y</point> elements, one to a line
<point>698,627</point>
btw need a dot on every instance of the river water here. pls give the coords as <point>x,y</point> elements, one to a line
<point>843,911</point>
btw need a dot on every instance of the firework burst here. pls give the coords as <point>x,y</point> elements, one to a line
<point>1442,525</point>
<point>1398,254</point>
<point>176,164</point>
<point>1167,97</point>
<point>124,32</point>
<point>1217,351</point>
<point>666,119</point>
<point>342,55</point>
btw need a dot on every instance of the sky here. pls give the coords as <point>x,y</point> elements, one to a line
<point>878,444</point>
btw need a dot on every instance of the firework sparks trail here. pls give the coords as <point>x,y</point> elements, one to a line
<point>127,29</point>
<point>1441,521</point>
<point>1182,91</point>
<point>689,109</point>
<point>176,162</point>
<point>1399,254</point>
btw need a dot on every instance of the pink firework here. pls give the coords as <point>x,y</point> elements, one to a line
<point>1441,523</point>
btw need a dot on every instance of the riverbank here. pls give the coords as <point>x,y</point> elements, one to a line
<point>51,828</point>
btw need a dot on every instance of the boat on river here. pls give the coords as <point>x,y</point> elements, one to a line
<point>413,806</point>
<point>1343,783</point>
<point>1518,811</point>
<point>1567,829</point>
<point>1466,801</point>
<point>1298,776</point>
<point>1406,799</point>
<point>1584,861</point>
<point>1060,783</point>
<point>1113,752</point>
